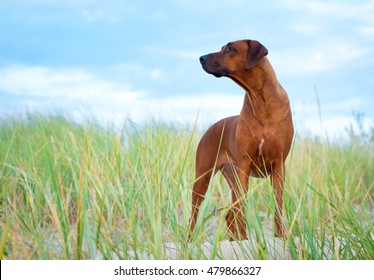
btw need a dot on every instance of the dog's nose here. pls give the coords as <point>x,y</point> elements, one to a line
<point>203,58</point>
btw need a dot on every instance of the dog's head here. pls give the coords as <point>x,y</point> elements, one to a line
<point>233,57</point>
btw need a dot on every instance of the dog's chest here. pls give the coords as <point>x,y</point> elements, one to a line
<point>267,148</point>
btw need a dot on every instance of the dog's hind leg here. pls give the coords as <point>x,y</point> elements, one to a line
<point>199,190</point>
<point>210,158</point>
<point>206,164</point>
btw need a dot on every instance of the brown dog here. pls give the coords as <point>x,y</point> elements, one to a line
<point>255,143</point>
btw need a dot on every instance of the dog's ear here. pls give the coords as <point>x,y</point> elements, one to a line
<point>256,51</point>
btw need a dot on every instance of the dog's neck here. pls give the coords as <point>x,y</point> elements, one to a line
<point>262,89</point>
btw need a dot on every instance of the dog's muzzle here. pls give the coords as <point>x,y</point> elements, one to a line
<point>212,67</point>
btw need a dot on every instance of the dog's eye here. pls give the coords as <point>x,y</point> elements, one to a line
<point>230,48</point>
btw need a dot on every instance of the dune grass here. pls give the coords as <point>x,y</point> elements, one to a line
<point>83,191</point>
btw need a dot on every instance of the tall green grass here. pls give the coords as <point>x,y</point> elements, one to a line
<point>84,191</point>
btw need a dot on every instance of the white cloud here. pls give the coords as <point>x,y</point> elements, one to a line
<point>306,27</point>
<point>332,35</point>
<point>335,108</point>
<point>341,9</point>
<point>184,108</point>
<point>317,59</point>
<point>330,119</point>
<point>175,53</point>
<point>366,30</point>
<point>74,83</point>
<point>71,89</point>
<point>39,88</point>
<point>91,16</point>
<point>332,127</point>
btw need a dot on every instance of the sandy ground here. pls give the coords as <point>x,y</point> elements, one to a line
<point>224,250</point>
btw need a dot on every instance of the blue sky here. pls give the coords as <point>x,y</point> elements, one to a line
<point>119,59</point>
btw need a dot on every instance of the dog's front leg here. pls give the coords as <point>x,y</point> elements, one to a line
<point>277,179</point>
<point>235,219</point>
